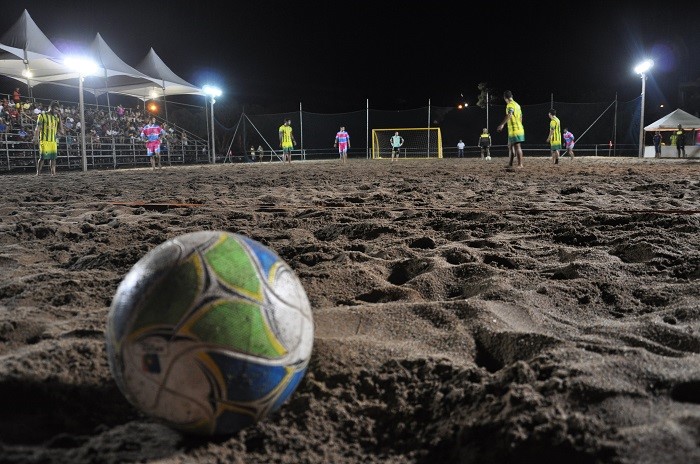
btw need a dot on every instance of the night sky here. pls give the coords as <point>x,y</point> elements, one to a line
<point>332,56</point>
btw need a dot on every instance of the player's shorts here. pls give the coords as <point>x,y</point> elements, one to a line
<point>153,148</point>
<point>287,147</point>
<point>48,150</point>
<point>516,139</point>
<point>555,146</point>
<point>342,147</point>
<point>570,145</point>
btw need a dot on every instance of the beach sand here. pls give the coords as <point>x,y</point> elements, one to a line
<point>464,312</point>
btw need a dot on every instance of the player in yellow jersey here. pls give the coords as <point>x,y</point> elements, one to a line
<point>287,140</point>
<point>48,126</point>
<point>516,131</point>
<point>554,137</point>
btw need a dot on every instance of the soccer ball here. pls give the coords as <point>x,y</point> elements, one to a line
<point>209,333</point>
<point>488,158</point>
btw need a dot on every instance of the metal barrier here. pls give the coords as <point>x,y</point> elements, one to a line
<point>19,155</point>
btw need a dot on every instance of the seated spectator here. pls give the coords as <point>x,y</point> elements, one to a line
<point>13,116</point>
<point>70,138</point>
<point>16,98</point>
<point>24,137</point>
<point>95,139</point>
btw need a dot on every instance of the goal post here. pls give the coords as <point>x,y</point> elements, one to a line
<point>419,142</point>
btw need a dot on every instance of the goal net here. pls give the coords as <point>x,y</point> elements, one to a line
<point>418,142</point>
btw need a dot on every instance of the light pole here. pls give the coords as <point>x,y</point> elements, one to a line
<point>642,69</point>
<point>84,67</point>
<point>213,92</point>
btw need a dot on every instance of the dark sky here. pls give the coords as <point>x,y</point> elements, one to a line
<point>332,56</point>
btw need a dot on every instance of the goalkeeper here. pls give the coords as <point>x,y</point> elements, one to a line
<point>396,142</point>
<point>485,143</point>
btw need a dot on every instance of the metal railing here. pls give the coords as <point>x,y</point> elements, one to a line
<point>111,152</point>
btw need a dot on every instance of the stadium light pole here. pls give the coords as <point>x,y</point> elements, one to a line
<point>84,67</point>
<point>213,92</point>
<point>642,69</point>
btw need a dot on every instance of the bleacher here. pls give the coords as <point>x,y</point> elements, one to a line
<point>111,138</point>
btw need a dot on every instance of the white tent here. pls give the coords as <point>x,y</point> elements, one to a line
<point>149,80</point>
<point>669,123</point>
<point>114,73</point>
<point>26,54</point>
<point>24,47</point>
<point>171,83</point>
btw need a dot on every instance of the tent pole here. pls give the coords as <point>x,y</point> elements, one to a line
<point>165,103</point>
<point>111,127</point>
<point>28,75</point>
<point>206,118</point>
<point>81,103</point>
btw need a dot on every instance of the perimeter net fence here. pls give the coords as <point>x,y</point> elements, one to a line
<point>604,129</point>
<point>608,128</point>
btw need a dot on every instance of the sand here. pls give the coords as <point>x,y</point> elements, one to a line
<point>465,313</point>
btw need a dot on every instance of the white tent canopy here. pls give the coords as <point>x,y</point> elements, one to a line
<point>24,47</point>
<point>26,41</point>
<point>162,81</point>
<point>171,83</point>
<point>112,73</point>
<point>671,121</point>
<point>26,54</point>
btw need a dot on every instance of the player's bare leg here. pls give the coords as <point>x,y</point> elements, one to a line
<point>518,151</point>
<point>511,154</point>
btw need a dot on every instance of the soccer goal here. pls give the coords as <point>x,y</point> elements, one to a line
<point>419,142</point>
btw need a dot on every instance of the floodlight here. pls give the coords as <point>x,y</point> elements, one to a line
<point>644,66</point>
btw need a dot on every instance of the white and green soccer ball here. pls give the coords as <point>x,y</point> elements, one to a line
<point>209,333</point>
